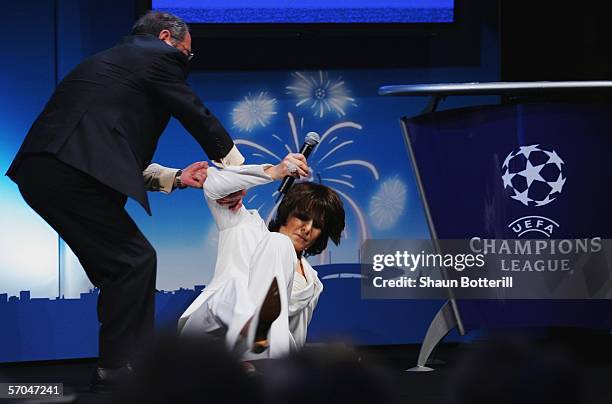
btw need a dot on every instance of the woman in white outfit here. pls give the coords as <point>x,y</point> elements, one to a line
<point>259,268</point>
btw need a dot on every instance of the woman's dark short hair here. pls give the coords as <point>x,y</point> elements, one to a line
<point>154,22</point>
<point>309,200</point>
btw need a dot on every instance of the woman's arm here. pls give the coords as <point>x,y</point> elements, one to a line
<point>220,183</point>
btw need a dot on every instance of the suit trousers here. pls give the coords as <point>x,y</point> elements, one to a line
<point>116,256</point>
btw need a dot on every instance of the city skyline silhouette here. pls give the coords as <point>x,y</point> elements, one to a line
<point>36,329</point>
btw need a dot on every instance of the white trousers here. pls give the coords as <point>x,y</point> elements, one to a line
<point>235,300</point>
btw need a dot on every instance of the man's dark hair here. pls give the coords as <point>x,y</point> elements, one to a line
<point>153,22</point>
<point>309,200</point>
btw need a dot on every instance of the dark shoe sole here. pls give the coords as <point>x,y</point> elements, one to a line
<point>270,310</point>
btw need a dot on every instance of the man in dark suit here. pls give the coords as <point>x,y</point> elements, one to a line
<point>85,154</point>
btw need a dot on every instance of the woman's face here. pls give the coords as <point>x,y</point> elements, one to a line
<point>301,231</point>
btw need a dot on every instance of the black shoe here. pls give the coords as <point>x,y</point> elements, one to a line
<point>107,380</point>
<point>258,326</point>
<point>268,312</point>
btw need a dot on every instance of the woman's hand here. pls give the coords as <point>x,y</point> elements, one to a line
<point>294,165</point>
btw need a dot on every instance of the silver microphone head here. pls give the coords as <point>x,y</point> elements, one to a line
<point>312,138</point>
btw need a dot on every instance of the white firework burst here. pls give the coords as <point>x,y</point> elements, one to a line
<point>326,167</point>
<point>387,205</point>
<point>254,111</point>
<point>320,93</point>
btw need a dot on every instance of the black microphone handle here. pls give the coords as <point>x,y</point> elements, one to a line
<point>285,185</point>
<point>306,149</point>
<point>289,180</point>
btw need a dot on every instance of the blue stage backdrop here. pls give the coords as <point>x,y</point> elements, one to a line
<point>47,305</point>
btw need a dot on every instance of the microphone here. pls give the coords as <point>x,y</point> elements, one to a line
<point>311,140</point>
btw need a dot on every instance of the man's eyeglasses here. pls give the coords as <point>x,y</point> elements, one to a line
<point>186,52</point>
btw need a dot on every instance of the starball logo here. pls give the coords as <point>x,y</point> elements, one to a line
<point>535,177</point>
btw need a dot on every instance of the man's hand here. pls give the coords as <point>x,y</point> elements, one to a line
<point>233,201</point>
<point>194,175</point>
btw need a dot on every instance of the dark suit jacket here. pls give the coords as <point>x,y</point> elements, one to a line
<point>106,116</point>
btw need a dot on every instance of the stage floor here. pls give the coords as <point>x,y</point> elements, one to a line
<point>591,352</point>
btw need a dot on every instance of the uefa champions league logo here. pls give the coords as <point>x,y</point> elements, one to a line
<point>535,176</point>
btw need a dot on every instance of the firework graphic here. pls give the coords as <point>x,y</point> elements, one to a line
<point>387,205</point>
<point>253,112</point>
<point>322,94</point>
<point>326,166</point>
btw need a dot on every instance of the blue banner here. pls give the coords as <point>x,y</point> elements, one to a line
<point>532,171</point>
